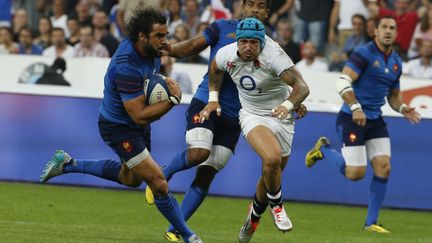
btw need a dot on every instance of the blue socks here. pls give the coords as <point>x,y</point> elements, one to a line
<point>377,192</point>
<point>106,168</point>
<point>170,209</point>
<point>191,202</point>
<point>334,157</point>
<point>178,163</point>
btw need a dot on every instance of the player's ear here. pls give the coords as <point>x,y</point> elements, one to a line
<point>142,36</point>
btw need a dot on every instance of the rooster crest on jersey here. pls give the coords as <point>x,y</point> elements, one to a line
<point>155,89</point>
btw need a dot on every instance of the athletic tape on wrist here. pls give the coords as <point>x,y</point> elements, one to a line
<point>402,107</point>
<point>288,105</point>
<point>213,96</point>
<point>355,106</point>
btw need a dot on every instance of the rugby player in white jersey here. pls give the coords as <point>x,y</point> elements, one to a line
<point>270,89</point>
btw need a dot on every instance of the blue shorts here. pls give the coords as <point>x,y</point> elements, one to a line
<point>126,141</point>
<point>226,130</point>
<point>352,134</point>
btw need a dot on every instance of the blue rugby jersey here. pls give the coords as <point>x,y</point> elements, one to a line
<point>124,80</point>
<point>219,34</point>
<point>378,74</point>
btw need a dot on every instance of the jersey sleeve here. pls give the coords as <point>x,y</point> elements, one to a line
<point>211,33</point>
<point>358,60</point>
<point>221,59</point>
<point>128,82</point>
<point>281,61</point>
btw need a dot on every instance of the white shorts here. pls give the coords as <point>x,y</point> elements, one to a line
<point>360,154</point>
<point>283,130</point>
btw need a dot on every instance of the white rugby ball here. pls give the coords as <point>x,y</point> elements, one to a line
<point>155,89</point>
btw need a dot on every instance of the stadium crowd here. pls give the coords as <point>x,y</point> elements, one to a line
<point>317,34</point>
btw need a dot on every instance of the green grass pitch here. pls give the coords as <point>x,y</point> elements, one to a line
<point>47,213</point>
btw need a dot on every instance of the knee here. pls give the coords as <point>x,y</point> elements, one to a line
<point>129,180</point>
<point>355,174</point>
<point>272,162</point>
<point>384,170</point>
<point>159,186</point>
<point>197,156</point>
<point>204,177</point>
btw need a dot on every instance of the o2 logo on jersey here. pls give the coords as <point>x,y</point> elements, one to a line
<point>247,83</point>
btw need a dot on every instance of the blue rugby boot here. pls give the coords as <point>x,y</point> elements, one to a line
<point>54,167</point>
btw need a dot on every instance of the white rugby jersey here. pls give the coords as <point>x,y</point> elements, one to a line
<point>258,82</point>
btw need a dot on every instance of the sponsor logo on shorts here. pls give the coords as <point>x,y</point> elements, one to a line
<point>195,119</point>
<point>352,137</point>
<point>127,146</point>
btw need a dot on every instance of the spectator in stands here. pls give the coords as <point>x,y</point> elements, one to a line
<point>370,28</point>
<point>59,18</point>
<point>284,39</point>
<point>26,45</point>
<point>101,32</point>
<point>44,33</point>
<point>88,46</point>
<point>182,32</point>
<point>278,10</point>
<point>174,19</point>
<point>340,20</point>
<point>422,66</point>
<point>310,62</point>
<point>53,75</point>
<point>126,8</point>
<point>312,22</point>
<point>35,10</point>
<point>358,37</point>
<point>19,21</point>
<point>73,27</point>
<point>406,21</point>
<point>5,13</point>
<point>191,18</point>
<point>181,77</point>
<point>424,28</point>
<point>7,45</point>
<point>82,12</point>
<point>59,46</point>
<point>337,61</point>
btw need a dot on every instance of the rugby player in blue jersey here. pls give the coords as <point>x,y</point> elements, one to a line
<point>124,121</point>
<point>211,144</point>
<point>370,75</point>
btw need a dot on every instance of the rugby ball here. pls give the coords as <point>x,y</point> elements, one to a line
<point>155,89</point>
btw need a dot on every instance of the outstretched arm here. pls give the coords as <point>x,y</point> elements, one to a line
<point>395,101</point>
<point>188,47</point>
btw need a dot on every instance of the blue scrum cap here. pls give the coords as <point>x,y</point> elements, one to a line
<point>251,28</point>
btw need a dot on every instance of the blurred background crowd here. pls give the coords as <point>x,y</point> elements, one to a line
<point>318,35</point>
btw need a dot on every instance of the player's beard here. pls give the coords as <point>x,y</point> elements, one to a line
<point>151,51</point>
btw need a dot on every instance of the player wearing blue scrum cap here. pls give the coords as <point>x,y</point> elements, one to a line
<point>263,74</point>
<point>212,143</point>
<point>125,118</point>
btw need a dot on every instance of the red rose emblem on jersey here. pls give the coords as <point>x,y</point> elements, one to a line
<point>352,137</point>
<point>395,67</point>
<point>127,146</point>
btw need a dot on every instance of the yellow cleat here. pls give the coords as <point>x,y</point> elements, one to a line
<point>149,196</point>
<point>172,236</point>
<point>376,228</point>
<point>315,153</point>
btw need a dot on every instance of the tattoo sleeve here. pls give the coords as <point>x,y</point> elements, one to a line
<point>300,89</point>
<point>215,77</point>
